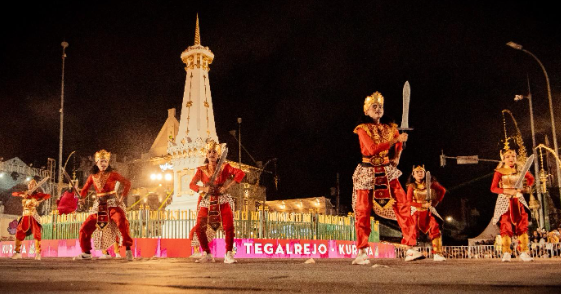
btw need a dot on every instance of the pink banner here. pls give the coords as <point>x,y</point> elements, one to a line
<point>244,248</point>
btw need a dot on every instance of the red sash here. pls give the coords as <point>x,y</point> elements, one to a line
<point>423,220</point>
<point>214,212</point>
<point>515,210</point>
<point>102,213</point>
<point>381,183</point>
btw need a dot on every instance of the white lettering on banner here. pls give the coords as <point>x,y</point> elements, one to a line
<point>268,248</point>
<point>349,249</point>
<point>279,249</point>
<point>258,249</point>
<point>247,247</point>
<point>288,249</point>
<point>341,249</point>
<point>297,249</point>
<point>7,249</point>
<point>324,247</point>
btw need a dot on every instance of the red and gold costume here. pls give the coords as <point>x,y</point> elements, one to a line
<point>67,203</point>
<point>30,222</point>
<point>375,181</point>
<point>423,210</point>
<point>509,209</point>
<point>107,205</point>
<point>226,216</point>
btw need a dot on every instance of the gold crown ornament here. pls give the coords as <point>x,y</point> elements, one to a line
<point>102,155</point>
<point>419,168</point>
<point>506,148</point>
<point>213,145</point>
<point>375,98</point>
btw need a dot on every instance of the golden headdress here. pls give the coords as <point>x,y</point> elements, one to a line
<point>516,140</point>
<point>506,148</point>
<point>375,97</point>
<point>419,168</point>
<point>213,145</point>
<point>102,155</point>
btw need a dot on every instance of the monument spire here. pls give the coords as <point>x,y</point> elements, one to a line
<point>197,32</point>
<point>196,124</point>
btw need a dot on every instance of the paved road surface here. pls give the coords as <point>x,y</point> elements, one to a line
<point>182,275</point>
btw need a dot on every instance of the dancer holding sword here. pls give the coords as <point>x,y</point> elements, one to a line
<point>29,223</point>
<point>508,183</point>
<point>214,208</point>
<point>104,178</point>
<point>375,180</point>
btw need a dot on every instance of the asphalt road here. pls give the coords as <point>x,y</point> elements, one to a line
<point>182,275</point>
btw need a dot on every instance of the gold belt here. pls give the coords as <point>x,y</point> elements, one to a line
<point>376,161</point>
<point>106,194</point>
<point>510,196</point>
<point>29,212</point>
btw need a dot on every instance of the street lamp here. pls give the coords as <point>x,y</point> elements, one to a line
<point>536,170</point>
<point>64,44</point>
<point>239,139</point>
<point>519,47</point>
<point>264,197</point>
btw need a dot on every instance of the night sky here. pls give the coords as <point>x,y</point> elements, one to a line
<point>297,72</point>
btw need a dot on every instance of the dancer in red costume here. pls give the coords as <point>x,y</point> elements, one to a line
<point>104,178</point>
<point>67,203</point>
<point>215,201</point>
<point>423,209</point>
<point>29,223</point>
<point>375,180</point>
<point>509,209</point>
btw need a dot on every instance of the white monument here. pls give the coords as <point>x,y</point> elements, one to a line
<point>196,125</point>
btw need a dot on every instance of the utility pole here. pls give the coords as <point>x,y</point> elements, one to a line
<point>542,211</point>
<point>64,44</point>
<point>338,196</point>
<point>240,156</point>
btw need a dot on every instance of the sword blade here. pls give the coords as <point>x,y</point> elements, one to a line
<point>39,184</point>
<point>406,98</point>
<point>428,184</point>
<point>525,169</point>
<point>219,165</point>
<point>67,176</point>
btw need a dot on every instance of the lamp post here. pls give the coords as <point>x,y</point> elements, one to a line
<point>262,223</point>
<point>536,170</point>
<point>240,151</point>
<point>519,47</point>
<point>64,44</point>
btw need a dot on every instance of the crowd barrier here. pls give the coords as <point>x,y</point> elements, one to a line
<point>248,225</point>
<point>549,250</point>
